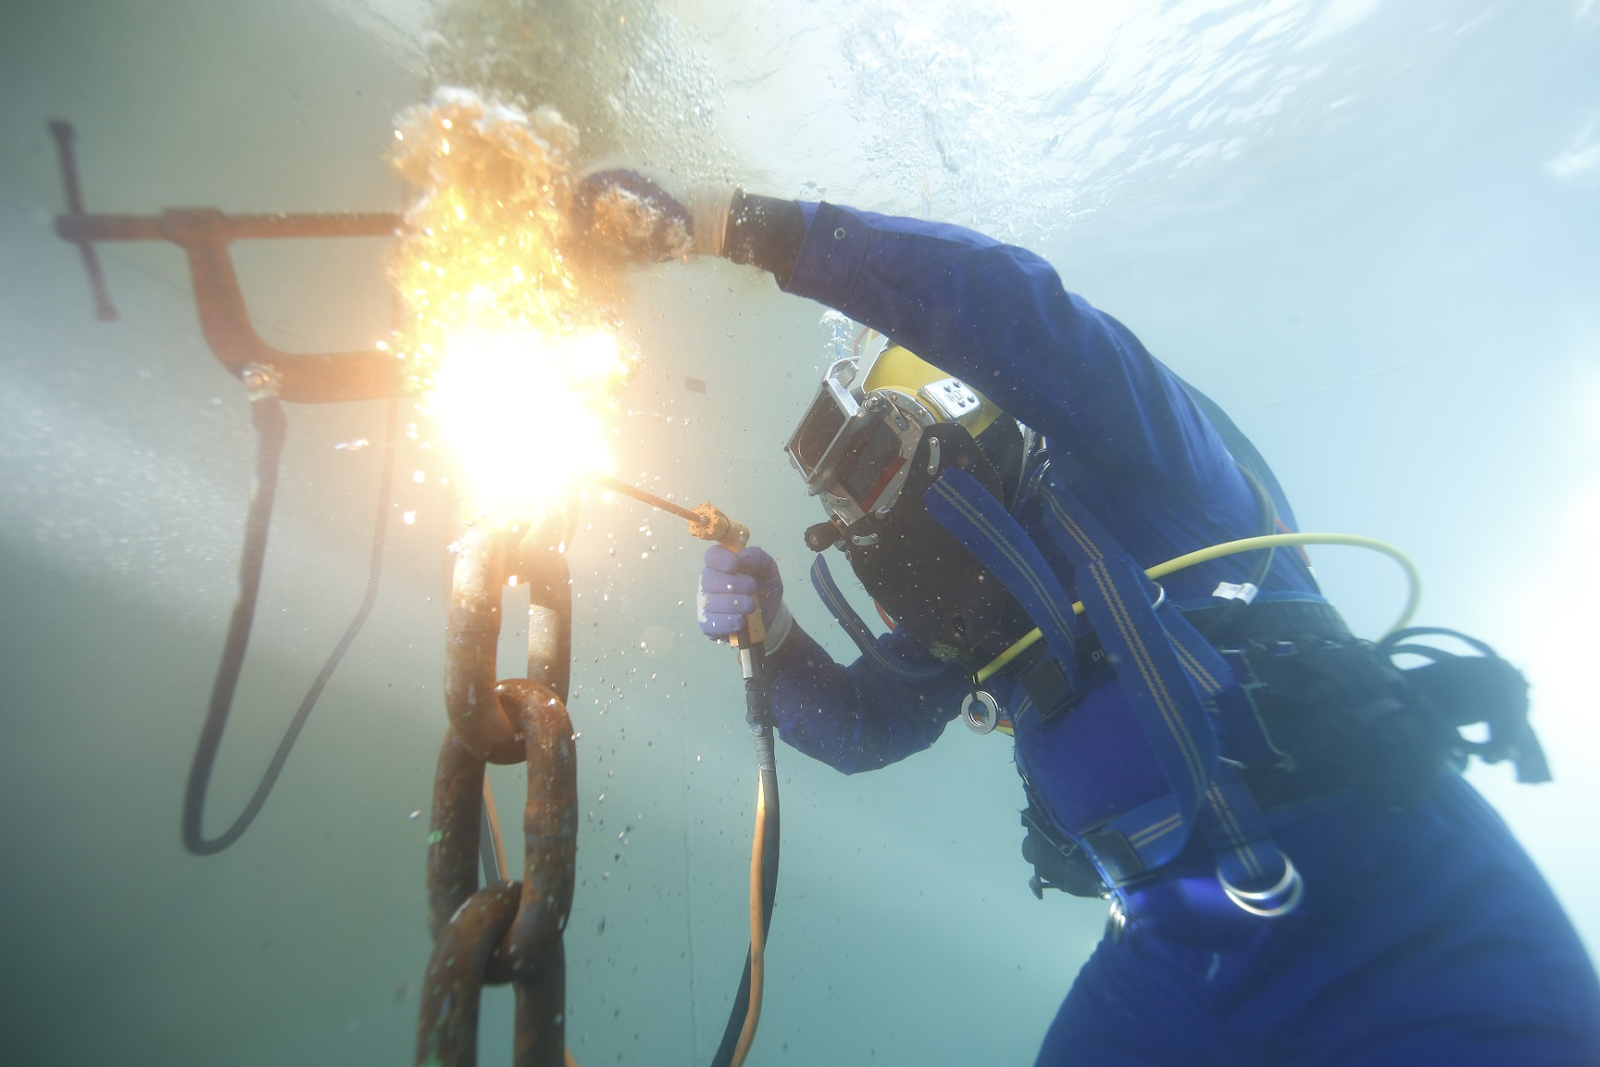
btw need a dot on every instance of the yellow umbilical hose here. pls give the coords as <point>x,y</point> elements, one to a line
<point>752,1016</point>
<point>1247,544</point>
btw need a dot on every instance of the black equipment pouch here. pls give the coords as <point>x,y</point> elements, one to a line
<point>1057,863</point>
<point>1046,683</point>
<point>1466,690</point>
<point>1332,714</point>
<point>1343,717</point>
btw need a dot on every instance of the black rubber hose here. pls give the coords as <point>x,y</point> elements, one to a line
<point>758,712</point>
<point>270,424</point>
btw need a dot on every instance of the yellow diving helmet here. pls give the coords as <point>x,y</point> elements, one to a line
<point>861,430</point>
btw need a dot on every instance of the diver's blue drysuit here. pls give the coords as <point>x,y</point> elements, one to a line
<point>1425,935</point>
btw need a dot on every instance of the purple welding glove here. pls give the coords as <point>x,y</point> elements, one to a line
<point>730,587</point>
<point>621,214</point>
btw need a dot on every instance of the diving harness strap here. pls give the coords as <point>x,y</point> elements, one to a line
<point>833,599</point>
<point>1173,677</point>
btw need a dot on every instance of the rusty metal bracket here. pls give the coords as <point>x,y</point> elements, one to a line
<point>204,235</point>
<point>505,931</point>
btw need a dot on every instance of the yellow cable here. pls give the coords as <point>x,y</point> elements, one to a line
<point>1247,544</point>
<point>752,1015</point>
<point>495,839</point>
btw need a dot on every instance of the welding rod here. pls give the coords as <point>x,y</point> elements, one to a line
<point>616,486</point>
<point>707,522</point>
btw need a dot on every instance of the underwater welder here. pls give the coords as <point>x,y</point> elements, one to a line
<point>1296,871</point>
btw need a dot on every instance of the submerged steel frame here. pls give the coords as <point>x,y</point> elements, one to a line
<point>505,931</point>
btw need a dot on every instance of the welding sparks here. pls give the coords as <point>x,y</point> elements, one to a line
<point>525,414</point>
<point>519,366</point>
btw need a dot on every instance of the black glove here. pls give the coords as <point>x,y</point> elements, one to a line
<point>621,214</point>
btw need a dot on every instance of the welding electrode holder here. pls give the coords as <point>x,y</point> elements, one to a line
<point>714,525</point>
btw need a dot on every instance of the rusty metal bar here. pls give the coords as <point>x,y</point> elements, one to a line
<point>85,227</point>
<point>65,135</point>
<point>204,235</point>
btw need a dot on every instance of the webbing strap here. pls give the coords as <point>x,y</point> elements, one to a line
<point>1116,596</point>
<point>1235,828</point>
<point>981,523</point>
<point>828,591</point>
<point>1172,677</point>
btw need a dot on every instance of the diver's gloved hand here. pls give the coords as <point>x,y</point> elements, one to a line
<point>622,214</point>
<point>732,584</point>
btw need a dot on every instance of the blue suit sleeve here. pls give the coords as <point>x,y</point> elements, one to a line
<point>999,318</point>
<point>858,717</point>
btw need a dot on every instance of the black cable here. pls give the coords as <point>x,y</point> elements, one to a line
<point>270,424</point>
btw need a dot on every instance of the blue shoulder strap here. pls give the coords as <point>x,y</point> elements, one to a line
<point>901,668</point>
<point>1173,678</point>
<point>983,526</point>
<point>1171,675</point>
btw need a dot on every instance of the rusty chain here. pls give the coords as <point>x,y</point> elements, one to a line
<point>511,931</point>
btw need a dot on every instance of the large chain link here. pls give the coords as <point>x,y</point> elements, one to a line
<point>511,931</point>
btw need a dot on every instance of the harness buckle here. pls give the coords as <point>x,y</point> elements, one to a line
<point>1281,899</point>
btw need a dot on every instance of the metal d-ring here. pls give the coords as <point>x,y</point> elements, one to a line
<point>1290,888</point>
<point>1116,920</point>
<point>1161,596</point>
<point>981,711</point>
